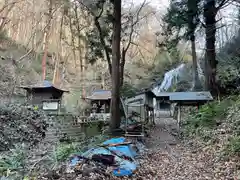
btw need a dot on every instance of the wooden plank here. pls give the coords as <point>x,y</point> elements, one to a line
<point>134,135</point>
<point>72,133</point>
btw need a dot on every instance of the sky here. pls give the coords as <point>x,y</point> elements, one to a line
<point>156,3</point>
<point>159,4</point>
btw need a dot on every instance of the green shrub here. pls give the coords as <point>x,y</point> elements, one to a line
<point>64,150</point>
<point>14,162</point>
<point>209,116</point>
<point>233,146</point>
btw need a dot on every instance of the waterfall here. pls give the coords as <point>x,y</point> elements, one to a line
<point>169,79</point>
<point>174,76</point>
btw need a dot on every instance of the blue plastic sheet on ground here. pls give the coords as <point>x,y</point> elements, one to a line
<point>125,150</point>
<point>126,167</point>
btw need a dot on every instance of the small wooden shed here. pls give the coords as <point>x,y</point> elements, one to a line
<point>184,99</point>
<point>102,99</point>
<point>45,95</point>
<point>143,97</point>
<point>141,103</point>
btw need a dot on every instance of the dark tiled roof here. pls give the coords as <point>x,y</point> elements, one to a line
<point>42,85</point>
<point>186,96</point>
<point>204,96</point>
<point>100,95</point>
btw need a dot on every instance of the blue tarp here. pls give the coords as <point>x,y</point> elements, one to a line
<point>126,167</point>
<point>126,150</point>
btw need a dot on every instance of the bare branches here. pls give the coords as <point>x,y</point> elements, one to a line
<point>133,23</point>
<point>4,18</point>
<point>100,31</point>
<point>223,4</point>
<point>11,4</point>
<point>25,55</point>
<point>130,37</point>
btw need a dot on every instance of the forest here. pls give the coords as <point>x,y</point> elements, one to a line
<point>125,47</point>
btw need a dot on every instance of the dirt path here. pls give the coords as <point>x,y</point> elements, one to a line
<point>170,159</point>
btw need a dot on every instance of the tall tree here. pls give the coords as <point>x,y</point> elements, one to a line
<point>116,53</point>
<point>100,37</point>
<point>184,16</point>
<point>105,43</point>
<point>193,21</point>
<point>49,17</point>
<point>211,8</point>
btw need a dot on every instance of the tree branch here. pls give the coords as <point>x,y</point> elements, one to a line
<point>101,36</point>
<point>222,4</point>
<point>9,4</point>
<point>25,55</point>
<point>124,50</point>
<point>97,24</point>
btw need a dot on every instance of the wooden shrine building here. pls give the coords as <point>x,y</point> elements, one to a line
<point>45,95</point>
<point>100,101</point>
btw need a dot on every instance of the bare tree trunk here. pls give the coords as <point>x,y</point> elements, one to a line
<point>122,65</point>
<point>115,99</point>
<point>103,75</point>
<point>46,39</point>
<point>80,48</point>
<point>192,15</point>
<point>79,38</point>
<point>196,81</point>
<point>73,42</point>
<point>56,79</point>
<point>210,12</point>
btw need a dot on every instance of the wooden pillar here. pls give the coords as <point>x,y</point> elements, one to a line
<point>153,118</point>
<point>159,108</point>
<point>59,107</point>
<point>126,121</point>
<point>170,109</point>
<point>179,115</point>
<point>145,112</point>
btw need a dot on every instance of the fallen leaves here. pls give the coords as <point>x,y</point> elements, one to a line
<point>21,124</point>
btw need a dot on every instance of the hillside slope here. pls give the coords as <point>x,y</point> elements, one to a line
<point>17,66</point>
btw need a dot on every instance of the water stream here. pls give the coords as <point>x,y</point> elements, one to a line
<point>172,77</point>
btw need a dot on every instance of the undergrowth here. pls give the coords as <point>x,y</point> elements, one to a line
<point>15,164</point>
<point>217,121</point>
<point>65,150</point>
